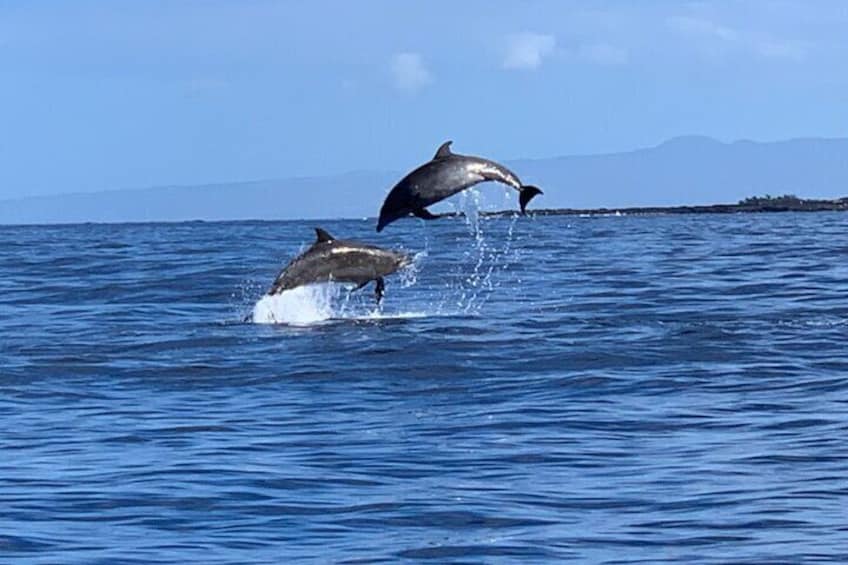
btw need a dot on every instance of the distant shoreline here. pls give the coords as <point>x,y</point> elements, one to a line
<point>756,205</point>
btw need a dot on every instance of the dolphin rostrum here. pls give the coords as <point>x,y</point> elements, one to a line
<point>445,175</point>
<point>330,259</point>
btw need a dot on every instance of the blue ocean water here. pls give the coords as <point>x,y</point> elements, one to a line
<point>604,390</point>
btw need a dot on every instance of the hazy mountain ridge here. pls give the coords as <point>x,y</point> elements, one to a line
<point>695,170</point>
<point>688,170</point>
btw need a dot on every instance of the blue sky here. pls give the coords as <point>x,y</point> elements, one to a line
<point>107,95</point>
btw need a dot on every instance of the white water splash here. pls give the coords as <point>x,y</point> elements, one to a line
<point>409,274</point>
<point>300,306</point>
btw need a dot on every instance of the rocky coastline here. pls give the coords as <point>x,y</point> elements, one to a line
<point>753,205</point>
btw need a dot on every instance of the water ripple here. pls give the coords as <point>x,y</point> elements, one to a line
<point>617,390</point>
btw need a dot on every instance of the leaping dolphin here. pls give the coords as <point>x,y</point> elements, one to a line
<point>330,259</point>
<point>445,175</point>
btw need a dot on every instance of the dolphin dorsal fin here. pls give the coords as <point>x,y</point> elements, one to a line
<point>443,151</point>
<point>323,236</point>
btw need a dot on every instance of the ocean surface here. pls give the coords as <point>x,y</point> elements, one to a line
<point>602,390</point>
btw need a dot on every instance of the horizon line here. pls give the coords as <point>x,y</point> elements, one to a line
<point>200,185</point>
<point>631,211</point>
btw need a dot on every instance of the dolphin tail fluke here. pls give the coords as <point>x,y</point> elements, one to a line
<point>526,193</point>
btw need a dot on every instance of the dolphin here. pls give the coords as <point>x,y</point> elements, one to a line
<point>330,259</point>
<point>445,175</point>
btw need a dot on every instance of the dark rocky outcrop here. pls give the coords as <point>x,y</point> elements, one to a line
<point>754,204</point>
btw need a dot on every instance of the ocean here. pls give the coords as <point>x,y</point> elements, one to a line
<point>533,389</point>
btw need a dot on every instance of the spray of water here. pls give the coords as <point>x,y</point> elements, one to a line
<point>300,306</point>
<point>470,284</point>
<point>486,257</point>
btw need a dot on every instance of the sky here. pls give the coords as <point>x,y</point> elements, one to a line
<point>102,95</point>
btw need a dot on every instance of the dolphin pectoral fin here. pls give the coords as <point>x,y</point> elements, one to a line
<point>358,287</point>
<point>424,214</point>
<point>380,289</point>
<point>526,194</point>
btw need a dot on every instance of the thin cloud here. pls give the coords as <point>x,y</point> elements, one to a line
<point>791,50</point>
<point>410,73</point>
<point>715,39</point>
<point>701,27</point>
<point>525,51</point>
<point>603,54</point>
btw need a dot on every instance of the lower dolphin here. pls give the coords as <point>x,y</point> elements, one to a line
<point>445,175</point>
<point>335,260</point>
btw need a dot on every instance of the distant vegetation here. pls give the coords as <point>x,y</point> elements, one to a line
<point>786,199</point>
<point>790,202</point>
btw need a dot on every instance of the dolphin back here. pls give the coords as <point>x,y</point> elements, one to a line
<point>338,261</point>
